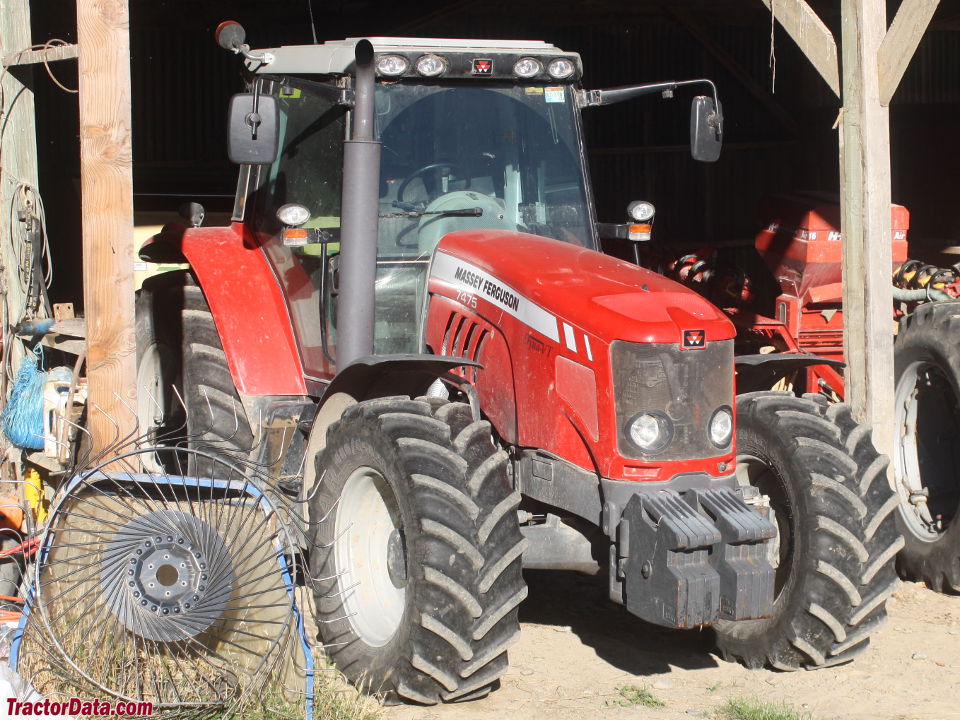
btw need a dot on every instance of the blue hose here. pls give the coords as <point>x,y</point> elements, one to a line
<point>23,416</point>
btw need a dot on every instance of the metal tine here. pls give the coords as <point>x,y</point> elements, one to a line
<point>186,435</point>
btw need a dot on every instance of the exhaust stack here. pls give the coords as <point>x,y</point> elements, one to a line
<point>359,210</point>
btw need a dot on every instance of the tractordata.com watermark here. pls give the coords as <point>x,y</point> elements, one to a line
<point>77,707</point>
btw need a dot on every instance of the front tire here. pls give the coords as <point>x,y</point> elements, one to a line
<point>417,550</point>
<point>834,553</point>
<point>927,460</point>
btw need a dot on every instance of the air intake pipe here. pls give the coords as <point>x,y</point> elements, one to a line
<point>359,210</point>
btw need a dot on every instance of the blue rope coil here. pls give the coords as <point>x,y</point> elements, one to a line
<point>23,416</point>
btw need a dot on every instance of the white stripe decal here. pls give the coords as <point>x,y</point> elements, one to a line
<point>570,337</point>
<point>479,282</point>
<point>586,344</point>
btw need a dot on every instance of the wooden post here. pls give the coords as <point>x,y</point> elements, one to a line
<point>107,189</point>
<point>18,147</point>
<point>865,205</point>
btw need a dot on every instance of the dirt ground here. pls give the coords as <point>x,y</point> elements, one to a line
<point>576,649</point>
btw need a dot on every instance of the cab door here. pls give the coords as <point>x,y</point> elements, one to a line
<point>308,172</point>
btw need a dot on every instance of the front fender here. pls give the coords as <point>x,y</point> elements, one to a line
<point>762,372</point>
<point>374,376</point>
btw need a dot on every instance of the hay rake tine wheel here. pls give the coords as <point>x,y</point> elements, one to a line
<point>169,588</point>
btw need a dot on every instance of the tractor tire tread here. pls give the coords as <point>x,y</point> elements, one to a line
<point>843,566</point>
<point>466,582</point>
<point>929,335</point>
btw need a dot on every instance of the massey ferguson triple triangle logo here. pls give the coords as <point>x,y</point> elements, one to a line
<point>482,66</point>
<point>694,338</point>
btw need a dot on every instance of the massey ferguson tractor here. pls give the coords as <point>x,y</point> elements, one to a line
<point>412,282</point>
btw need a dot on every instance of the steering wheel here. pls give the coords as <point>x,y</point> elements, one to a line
<point>426,168</point>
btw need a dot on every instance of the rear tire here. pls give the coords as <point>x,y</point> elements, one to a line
<point>417,551</point>
<point>837,538</point>
<point>178,346</point>
<point>927,461</point>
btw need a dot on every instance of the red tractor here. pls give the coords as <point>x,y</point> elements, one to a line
<point>784,294</point>
<point>409,320</point>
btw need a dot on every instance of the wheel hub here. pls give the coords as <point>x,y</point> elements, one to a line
<point>166,575</point>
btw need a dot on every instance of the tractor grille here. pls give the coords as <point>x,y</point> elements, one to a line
<point>686,385</point>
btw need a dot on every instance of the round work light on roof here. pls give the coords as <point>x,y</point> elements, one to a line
<point>560,68</point>
<point>392,65</point>
<point>527,67</point>
<point>431,65</point>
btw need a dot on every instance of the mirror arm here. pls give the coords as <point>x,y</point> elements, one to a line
<point>594,98</point>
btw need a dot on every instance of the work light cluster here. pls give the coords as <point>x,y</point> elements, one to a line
<point>431,65</point>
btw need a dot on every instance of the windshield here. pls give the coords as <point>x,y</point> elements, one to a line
<point>468,157</point>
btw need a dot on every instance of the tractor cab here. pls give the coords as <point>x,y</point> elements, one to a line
<point>472,134</point>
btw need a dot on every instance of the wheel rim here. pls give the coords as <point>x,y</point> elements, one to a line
<point>369,555</point>
<point>758,473</point>
<point>926,472</point>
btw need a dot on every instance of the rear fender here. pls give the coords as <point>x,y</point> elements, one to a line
<point>248,306</point>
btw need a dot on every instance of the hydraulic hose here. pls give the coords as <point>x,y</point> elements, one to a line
<point>928,293</point>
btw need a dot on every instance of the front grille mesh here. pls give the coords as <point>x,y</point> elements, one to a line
<point>686,385</point>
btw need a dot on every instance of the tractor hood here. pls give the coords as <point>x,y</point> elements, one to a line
<point>543,280</point>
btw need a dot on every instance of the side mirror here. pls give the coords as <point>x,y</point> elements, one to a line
<point>253,132</point>
<point>706,129</point>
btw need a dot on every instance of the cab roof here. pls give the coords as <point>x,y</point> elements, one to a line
<point>336,57</point>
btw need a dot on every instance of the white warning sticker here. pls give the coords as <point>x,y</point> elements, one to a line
<point>553,94</point>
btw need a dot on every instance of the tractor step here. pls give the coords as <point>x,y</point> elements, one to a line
<point>691,559</point>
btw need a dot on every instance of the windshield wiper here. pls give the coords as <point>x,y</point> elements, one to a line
<point>463,212</point>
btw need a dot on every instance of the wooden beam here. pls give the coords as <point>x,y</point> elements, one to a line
<point>813,37</point>
<point>47,54</point>
<point>900,43</point>
<point>106,180</point>
<point>18,158</point>
<point>705,38</point>
<point>865,203</point>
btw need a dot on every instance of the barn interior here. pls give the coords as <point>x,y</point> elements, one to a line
<point>780,116</point>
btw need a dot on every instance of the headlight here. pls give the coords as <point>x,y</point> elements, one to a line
<point>431,65</point>
<point>721,426</point>
<point>527,67</point>
<point>392,65</point>
<point>292,215</point>
<point>561,68</point>
<point>650,431</point>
